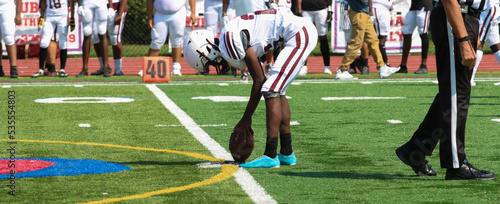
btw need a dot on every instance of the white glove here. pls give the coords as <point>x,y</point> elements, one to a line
<point>111,13</point>
<point>80,11</point>
<point>274,5</point>
<point>225,20</point>
<point>372,18</point>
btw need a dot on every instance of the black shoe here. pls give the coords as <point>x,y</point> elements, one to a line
<point>1,72</point>
<point>84,72</point>
<point>422,70</point>
<point>352,69</point>
<point>422,169</point>
<point>98,72</point>
<point>365,70</point>
<point>467,171</point>
<point>118,73</point>
<point>106,71</point>
<point>359,63</point>
<point>13,72</point>
<point>403,69</point>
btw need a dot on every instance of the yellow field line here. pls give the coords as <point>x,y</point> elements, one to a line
<point>191,154</point>
<point>227,172</point>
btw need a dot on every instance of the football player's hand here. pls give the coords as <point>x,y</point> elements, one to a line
<point>111,13</point>
<point>40,23</point>
<point>193,20</point>
<point>80,11</point>
<point>18,19</point>
<point>329,16</point>
<point>151,24</point>
<point>72,24</point>
<point>118,19</point>
<point>225,20</point>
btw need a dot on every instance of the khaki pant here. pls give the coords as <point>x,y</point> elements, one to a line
<point>361,29</point>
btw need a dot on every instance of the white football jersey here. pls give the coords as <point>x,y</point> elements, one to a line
<point>56,8</point>
<point>382,3</point>
<point>267,29</point>
<point>243,7</point>
<point>169,6</point>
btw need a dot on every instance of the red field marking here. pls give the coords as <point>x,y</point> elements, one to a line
<point>22,165</point>
<point>131,66</point>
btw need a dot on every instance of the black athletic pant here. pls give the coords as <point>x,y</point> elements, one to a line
<point>446,118</point>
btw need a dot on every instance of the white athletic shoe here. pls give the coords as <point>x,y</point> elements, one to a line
<point>386,71</point>
<point>176,72</point>
<point>303,71</point>
<point>472,83</point>
<point>344,75</point>
<point>327,70</point>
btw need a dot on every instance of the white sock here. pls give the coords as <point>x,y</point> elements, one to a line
<point>479,57</point>
<point>497,55</point>
<point>100,62</point>
<point>118,65</point>
<point>176,66</point>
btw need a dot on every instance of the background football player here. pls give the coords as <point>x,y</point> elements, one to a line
<point>54,18</point>
<point>10,16</point>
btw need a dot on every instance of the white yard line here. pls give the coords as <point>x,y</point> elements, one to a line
<point>242,176</point>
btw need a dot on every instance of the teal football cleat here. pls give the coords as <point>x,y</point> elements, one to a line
<point>263,162</point>
<point>287,160</point>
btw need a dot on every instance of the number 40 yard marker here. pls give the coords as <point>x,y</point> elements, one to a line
<point>156,69</point>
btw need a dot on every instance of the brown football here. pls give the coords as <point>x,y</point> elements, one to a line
<point>241,146</point>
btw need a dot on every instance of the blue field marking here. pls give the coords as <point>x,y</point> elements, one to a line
<point>70,167</point>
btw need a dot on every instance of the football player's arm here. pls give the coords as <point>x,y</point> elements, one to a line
<point>121,9</point>
<point>18,19</point>
<point>299,7</point>
<point>225,4</point>
<point>149,11</point>
<point>454,16</point>
<point>43,6</point>
<point>72,8</point>
<point>255,70</point>
<point>192,4</point>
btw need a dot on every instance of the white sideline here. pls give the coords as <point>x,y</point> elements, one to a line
<point>242,176</point>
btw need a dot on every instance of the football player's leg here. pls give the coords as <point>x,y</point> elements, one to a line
<point>423,27</point>
<point>101,20</point>
<point>115,36</point>
<point>176,30</point>
<point>286,155</point>
<point>8,32</point>
<point>63,45</point>
<point>158,34</point>
<point>48,33</point>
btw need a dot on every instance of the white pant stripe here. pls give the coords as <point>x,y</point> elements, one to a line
<point>453,85</point>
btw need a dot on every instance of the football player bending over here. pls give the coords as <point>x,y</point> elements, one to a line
<point>242,41</point>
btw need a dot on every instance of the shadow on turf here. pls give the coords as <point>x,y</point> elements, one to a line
<point>344,175</point>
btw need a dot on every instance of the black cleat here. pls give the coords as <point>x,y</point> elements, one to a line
<point>118,73</point>
<point>13,72</point>
<point>1,72</point>
<point>422,169</point>
<point>84,72</point>
<point>352,69</point>
<point>366,70</point>
<point>403,69</point>
<point>106,71</point>
<point>467,171</point>
<point>98,72</point>
<point>421,70</point>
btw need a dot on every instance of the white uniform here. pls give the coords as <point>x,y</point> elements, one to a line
<point>243,7</point>
<point>416,19</point>
<point>97,9</point>
<point>380,10</point>
<point>114,31</point>
<point>170,17</point>
<point>213,14</point>
<point>488,22</point>
<point>267,29</point>
<point>287,4</point>
<point>7,25</point>
<point>56,21</point>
